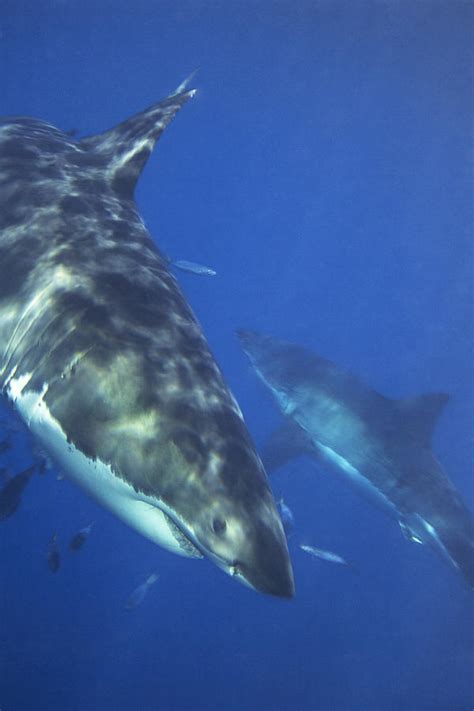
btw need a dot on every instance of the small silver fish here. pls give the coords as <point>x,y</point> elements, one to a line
<point>193,267</point>
<point>79,538</point>
<point>138,595</point>
<point>325,555</point>
<point>286,515</point>
<point>53,556</point>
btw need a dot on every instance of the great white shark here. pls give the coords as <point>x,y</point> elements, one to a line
<point>381,446</point>
<point>104,361</point>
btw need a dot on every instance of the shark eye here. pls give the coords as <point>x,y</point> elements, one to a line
<point>219,526</point>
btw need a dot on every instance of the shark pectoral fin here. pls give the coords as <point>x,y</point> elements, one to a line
<point>288,441</point>
<point>409,535</point>
<point>421,414</point>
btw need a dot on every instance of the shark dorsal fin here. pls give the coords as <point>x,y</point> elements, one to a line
<point>126,148</point>
<point>421,413</point>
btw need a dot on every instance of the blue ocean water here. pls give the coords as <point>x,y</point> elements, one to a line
<point>324,169</point>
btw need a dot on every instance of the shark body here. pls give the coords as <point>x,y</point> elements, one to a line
<point>381,446</point>
<point>103,359</point>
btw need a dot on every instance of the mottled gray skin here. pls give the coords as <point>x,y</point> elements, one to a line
<point>387,441</point>
<point>89,308</point>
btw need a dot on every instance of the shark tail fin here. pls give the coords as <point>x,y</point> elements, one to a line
<point>421,414</point>
<point>125,149</point>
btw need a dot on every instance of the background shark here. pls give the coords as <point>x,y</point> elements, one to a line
<point>381,446</point>
<point>105,361</point>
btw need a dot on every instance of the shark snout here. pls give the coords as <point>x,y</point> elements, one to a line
<point>266,567</point>
<point>272,575</point>
<point>250,547</point>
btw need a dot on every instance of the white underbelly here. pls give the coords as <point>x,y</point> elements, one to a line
<point>357,479</point>
<point>414,526</point>
<point>141,512</point>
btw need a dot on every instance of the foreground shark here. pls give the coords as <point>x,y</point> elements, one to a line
<point>381,446</point>
<point>105,362</point>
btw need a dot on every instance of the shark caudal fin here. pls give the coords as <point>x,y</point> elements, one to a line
<point>125,149</point>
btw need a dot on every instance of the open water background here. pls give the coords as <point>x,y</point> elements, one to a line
<point>325,171</point>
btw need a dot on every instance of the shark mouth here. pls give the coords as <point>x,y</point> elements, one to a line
<point>187,546</point>
<point>191,547</point>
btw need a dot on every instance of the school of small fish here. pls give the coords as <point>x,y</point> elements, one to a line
<point>11,492</point>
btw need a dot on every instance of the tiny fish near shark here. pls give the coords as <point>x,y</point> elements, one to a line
<point>193,267</point>
<point>138,595</point>
<point>79,538</point>
<point>380,446</point>
<point>328,556</point>
<point>105,362</point>
<point>286,515</point>
<point>53,556</point>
